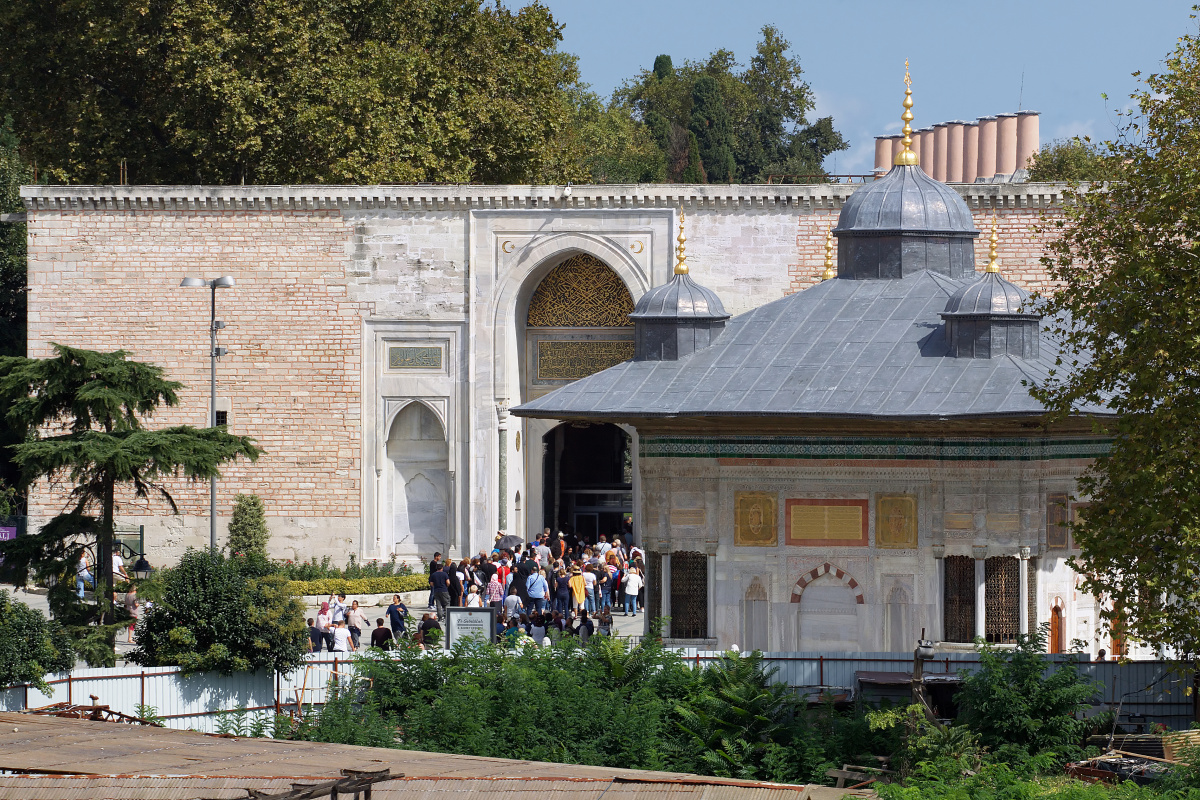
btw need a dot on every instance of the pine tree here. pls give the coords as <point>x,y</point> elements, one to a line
<point>248,526</point>
<point>714,134</point>
<point>694,171</point>
<point>81,414</point>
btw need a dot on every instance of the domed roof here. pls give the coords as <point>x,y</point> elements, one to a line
<point>990,294</point>
<point>679,298</point>
<point>906,199</point>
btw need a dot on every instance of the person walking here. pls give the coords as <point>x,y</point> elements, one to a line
<point>324,621</point>
<point>397,613</point>
<point>633,585</point>
<point>83,573</point>
<point>537,590</point>
<point>439,580</point>
<point>589,589</point>
<point>434,566</point>
<point>495,591</point>
<point>562,591</point>
<point>473,598</point>
<point>355,622</point>
<point>342,643</point>
<point>381,637</point>
<point>315,637</point>
<point>578,589</point>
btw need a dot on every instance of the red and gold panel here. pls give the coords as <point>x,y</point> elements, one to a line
<point>826,523</point>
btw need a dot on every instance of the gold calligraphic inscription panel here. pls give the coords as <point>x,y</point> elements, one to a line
<point>754,519</point>
<point>896,521</point>
<point>572,360</point>
<point>959,522</point>
<point>581,292</point>
<point>688,516</point>
<point>414,358</point>
<point>827,522</point>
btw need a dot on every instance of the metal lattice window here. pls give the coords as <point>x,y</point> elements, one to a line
<point>1001,599</point>
<point>653,586</point>
<point>689,596</point>
<point>958,601</point>
<point>1032,597</point>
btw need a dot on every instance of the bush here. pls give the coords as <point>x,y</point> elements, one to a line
<point>1020,698</point>
<point>248,526</point>
<point>312,569</point>
<point>221,613</point>
<point>31,645</point>
<point>327,586</point>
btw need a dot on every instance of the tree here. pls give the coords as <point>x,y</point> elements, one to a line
<point>223,613</point>
<point>30,645</point>
<point>81,413</point>
<point>710,125</point>
<point>14,171</point>
<point>1127,262</point>
<point>248,526</point>
<point>1073,159</point>
<point>285,91</point>
<point>694,171</point>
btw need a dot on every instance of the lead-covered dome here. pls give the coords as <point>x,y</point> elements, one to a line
<point>676,319</point>
<point>987,318</point>
<point>903,223</point>
<point>991,294</point>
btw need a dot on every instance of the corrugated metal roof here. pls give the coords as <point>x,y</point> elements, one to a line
<point>124,787</point>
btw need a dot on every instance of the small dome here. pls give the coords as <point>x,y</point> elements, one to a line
<point>679,298</point>
<point>906,199</point>
<point>990,294</point>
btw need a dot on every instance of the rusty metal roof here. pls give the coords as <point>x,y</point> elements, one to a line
<point>74,758</point>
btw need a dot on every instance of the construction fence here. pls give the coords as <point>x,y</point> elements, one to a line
<point>1143,692</point>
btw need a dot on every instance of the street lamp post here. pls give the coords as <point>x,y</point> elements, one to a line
<point>224,282</point>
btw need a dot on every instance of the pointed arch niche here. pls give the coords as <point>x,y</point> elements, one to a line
<point>419,457</point>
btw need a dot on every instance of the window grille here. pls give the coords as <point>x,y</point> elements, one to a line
<point>653,586</point>
<point>222,418</point>
<point>1001,599</point>
<point>689,596</point>
<point>959,599</point>
<point>1031,569</point>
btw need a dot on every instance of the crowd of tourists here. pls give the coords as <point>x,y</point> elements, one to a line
<point>557,583</point>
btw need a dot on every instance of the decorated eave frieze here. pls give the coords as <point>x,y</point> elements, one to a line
<point>690,197</point>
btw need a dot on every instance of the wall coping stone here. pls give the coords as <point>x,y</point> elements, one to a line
<point>464,197</point>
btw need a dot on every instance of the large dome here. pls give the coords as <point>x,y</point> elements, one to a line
<point>903,223</point>
<point>906,199</point>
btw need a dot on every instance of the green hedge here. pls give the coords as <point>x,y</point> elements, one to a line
<point>327,586</point>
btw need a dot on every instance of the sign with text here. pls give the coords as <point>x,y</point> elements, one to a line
<point>463,623</point>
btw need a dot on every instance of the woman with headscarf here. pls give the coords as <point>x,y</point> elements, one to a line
<point>324,619</point>
<point>495,591</point>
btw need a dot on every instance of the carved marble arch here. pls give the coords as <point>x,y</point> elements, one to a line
<point>581,292</point>
<point>831,570</point>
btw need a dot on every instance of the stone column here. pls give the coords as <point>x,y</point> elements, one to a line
<point>941,151</point>
<point>970,166</point>
<point>980,553</point>
<point>664,586</point>
<point>1006,144</point>
<point>883,153</point>
<point>937,626</point>
<point>1028,137</point>
<point>987,148</point>
<point>1023,583</point>
<point>502,477</point>
<point>954,151</point>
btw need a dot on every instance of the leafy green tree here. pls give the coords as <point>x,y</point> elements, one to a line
<point>1020,698</point>
<point>14,171</point>
<point>286,91</point>
<point>30,645</point>
<point>223,613</point>
<point>710,125</point>
<point>81,412</point>
<point>1072,159</point>
<point>1127,263</point>
<point>248,531</point>
<point>694,171</point>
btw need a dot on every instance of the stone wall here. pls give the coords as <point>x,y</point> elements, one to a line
<point>324,272</point>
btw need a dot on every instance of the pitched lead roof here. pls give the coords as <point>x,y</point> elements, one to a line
<point>842,348</point>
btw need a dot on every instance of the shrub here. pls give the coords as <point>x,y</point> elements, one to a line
<point>327,586</point>
<point>248,525</point>
<point>1019,697</point>
<point>220,613</point>
<point>31,645</point>
<point>312,569</point>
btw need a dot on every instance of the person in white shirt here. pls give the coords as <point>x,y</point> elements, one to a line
<point>324,621</point>
<point>633,585</point>
<point>342,643</point>
<point>589,590</point>
<point>337,607</point>
<point>119,573</point>
<point>512,606</point>
<point>473,598</point>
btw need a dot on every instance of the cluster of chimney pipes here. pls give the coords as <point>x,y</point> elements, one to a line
<point>991,148</point>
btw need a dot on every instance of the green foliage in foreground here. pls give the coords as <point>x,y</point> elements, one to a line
<point>30,645</point>
<point>229,614</point>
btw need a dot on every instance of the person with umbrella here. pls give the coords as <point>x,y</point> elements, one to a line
<point>510,542</point>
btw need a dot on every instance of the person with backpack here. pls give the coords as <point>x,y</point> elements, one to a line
<point>397,613</point>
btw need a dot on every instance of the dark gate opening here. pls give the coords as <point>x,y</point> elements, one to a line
<point>587,480</point>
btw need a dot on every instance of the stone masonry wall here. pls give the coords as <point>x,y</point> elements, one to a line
<point>104,280</point>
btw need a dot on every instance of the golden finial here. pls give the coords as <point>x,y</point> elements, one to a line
<point>994,239</point>
<point>681,267</point>
<point>906,157</point>
<point>830,269</point>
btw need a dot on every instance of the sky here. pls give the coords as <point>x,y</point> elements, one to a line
<point>968,58</point>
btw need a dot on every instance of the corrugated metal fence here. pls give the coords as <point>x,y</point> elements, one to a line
<point>1149,688</point>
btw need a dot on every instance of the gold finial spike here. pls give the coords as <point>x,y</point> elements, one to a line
<point>906,157</point>
<point>830,268</point>
<point>993,240</point>
<point>681,267</point>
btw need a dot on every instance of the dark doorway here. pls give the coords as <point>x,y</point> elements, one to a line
<point>587,480</point>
